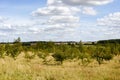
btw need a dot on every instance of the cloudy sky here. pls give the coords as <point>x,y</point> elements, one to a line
<point>59,20</point>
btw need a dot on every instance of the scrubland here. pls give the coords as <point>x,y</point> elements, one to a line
<point>36,69</point>
<point>51,61</point>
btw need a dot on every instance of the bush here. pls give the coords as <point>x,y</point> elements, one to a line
<point>15,49</point>
<point>8,49</point>
<point>2,51</point>
<point>59,56</point>
<point>85,57</point>
<point>101,53</point>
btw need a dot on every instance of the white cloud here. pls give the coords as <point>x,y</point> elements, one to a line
<point>58,17</point>
<point>50,1</point>
<point>2,19</point>
<point>111,25</point>
<point>55,10</point>
<point>63,19</point>
<point>9,32</point>
<point>111,20</point>
<point>51,10</point>
<point>89,11</point>
<point>12,28</point>
<point>58,20</point>
<point>8,28</point>
<point>86,2</point>
<point>54,2</point>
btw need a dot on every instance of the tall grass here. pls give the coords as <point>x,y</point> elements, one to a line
<point>34,69</point>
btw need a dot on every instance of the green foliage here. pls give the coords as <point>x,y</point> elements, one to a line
<point>45,47</point>
<point>72,53</point>
<point>42,55</point>
<point>2,51</point>
<point>8,49</point>
<point>59,56</point>
<point>114,48</point>
<point>15,49</point>
<point>81,47</point>
<point>62,51</point>
<point>85,58</point>
<point>101,53</point>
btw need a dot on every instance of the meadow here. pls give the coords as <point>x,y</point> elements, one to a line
<point>35,69</point>
<point>50,61</point>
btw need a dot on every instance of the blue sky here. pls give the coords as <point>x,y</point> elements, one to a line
<point>59,20</point>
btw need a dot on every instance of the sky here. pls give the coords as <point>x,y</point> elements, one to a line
<point>59,20</point>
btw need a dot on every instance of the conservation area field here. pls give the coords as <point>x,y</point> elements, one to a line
<point>35,69</point>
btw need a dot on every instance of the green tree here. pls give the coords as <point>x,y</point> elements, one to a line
<point>101,53</point>
<point>81,47</point>
<point>16,48</point>
<point>59,56</point>
<point>18,40</point>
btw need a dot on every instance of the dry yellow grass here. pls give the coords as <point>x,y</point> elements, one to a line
<point>34,69</point>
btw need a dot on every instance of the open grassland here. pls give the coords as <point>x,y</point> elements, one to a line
<point>34,69</point>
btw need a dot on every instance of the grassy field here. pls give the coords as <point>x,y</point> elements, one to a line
<point>34,69</point>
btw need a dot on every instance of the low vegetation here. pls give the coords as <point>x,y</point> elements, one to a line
<point>50,61</point>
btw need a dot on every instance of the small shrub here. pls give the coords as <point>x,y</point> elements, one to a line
<point>59,56</point>
<point>2,51</point>
<point>42,55</point>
